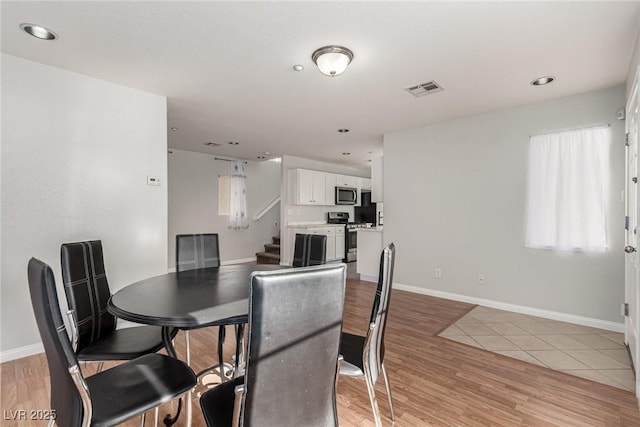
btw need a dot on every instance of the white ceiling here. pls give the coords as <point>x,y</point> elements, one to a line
<point>226,67</point>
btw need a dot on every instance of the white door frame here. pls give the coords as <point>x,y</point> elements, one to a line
<point>633,239</point>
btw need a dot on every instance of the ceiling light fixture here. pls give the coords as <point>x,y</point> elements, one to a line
<point>540,81</point>
<point>298,67</point>
<point>38,31</point>
<point>332,60</point>
<point>174,129</point>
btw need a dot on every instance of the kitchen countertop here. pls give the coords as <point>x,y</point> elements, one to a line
<point>312,225</point>
<point>377,229</point>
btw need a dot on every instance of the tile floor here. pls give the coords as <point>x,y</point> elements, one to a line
<point>591,353</point>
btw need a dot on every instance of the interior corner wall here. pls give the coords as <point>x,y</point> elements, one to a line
<point>634,65</point>
<point>76,153</point>
<point>193,204</point>
<point>455,196</point>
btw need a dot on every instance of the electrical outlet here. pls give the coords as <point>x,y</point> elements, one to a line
<point>437,273</point>
<point>153,180</point>
<point>481,279</point>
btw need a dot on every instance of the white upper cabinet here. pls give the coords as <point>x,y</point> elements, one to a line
<point>331,180</point>
<point>309,187</point>
<point>347,181</point>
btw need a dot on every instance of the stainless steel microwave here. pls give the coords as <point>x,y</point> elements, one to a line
<point>346,196</point>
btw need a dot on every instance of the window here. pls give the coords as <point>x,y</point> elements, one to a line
<point>567,190</point>
<point>224,191</point>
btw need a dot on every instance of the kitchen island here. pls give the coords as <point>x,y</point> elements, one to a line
<point>370,246</point>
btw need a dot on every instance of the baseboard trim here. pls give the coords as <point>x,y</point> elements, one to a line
<point>20,352</point>
<point>368,278</point>
<point>532,311</point>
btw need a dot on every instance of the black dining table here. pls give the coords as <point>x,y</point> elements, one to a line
<point>188,300</point>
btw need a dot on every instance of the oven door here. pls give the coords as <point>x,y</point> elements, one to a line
<point>346,196</point>
<point>351,245</point>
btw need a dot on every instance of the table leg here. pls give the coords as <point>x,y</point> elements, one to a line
<point>168,344</point>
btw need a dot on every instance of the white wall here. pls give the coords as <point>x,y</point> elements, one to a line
<point>634,65</point>
<point>455,199</point>
<point>300,213</point>
<point>193,204</point>
<point>76,152</point>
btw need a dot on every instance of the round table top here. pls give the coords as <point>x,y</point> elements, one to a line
<point>189,299</point>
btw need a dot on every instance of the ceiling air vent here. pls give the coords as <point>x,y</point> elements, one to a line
<point>424,88</point>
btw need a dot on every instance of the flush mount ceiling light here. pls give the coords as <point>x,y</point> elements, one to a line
<point>38,31</point>
<point>332,60</point>
<point>540,81</point>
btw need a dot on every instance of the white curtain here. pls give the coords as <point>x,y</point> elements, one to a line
<point>238,217</point>
<point>567,194</point>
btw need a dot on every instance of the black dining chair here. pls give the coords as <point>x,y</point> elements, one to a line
<point>194,251</point>
<point>364,356</point>
<point>300,249</point>
<point>107,398</point>
<point>309,249</point>
<point>295,319</point>
<point>95,337</point>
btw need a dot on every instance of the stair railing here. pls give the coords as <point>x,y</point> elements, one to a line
<point>267,208</point>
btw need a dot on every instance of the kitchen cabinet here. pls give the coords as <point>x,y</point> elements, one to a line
<point>330,180</point>
<point>340,243</point>
<point>309,187</point>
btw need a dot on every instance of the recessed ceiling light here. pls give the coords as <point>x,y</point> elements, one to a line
<point>38,31</point>
<point>261,157</point>
<point>233,143</point>
<point>542,81</point>
<point>346,154</point>
<point>298,67</point>
<point>266,152</point>
<point>212,144</point>
<point>174,129</point>
<point>343,130</point>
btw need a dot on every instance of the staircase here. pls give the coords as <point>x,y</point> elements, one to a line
<point>271,254</point>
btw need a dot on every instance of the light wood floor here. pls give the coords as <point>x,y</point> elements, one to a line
<point>435,381</point>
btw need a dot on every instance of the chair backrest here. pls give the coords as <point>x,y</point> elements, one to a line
<point>295,321</point>
<point>87,290</point>
<point>197,251</point>
<point>301,246</point>
<point>374,344</point>
<point>317,253</point>
<point>65,398</point>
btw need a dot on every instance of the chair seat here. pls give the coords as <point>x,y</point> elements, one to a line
<point>137,386</point>
<point>351,348</point>
<point>217,403</point>
<point>125,344</point>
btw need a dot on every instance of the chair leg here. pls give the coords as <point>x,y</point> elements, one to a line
<point>388,387</point>
<point>221,337</point>
<point>372,399</point>
<point>155,416</point>
<point>99,369</point>
<point>143,417</point>
<point>51,422</point>
<point>187,346</point>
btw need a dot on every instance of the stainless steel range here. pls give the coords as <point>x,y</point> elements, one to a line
<point>350,235</point>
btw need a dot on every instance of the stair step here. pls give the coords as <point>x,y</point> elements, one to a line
<point>267,258</point>
<point>272,248</point>
<point>276,240</point>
